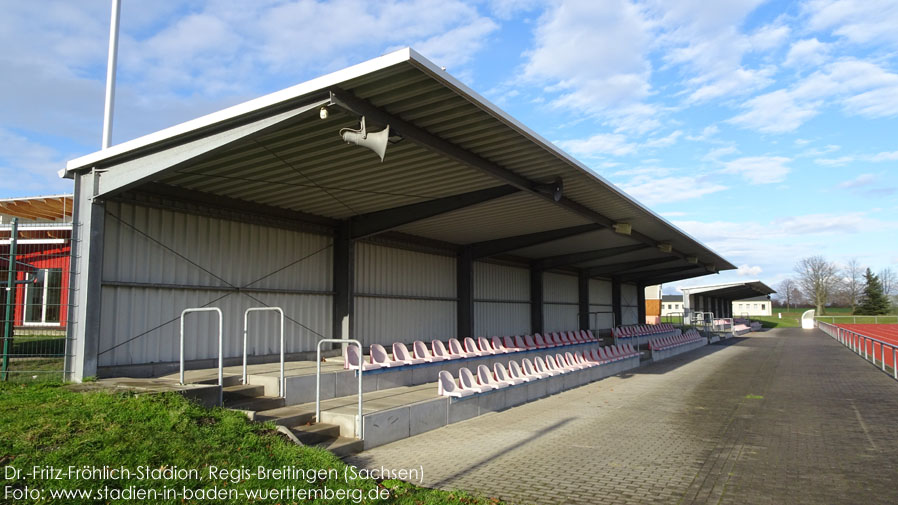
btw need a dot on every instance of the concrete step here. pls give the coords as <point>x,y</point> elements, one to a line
<point>315,434</point>
<point>293,415</point>
<point>242,391</point>
<point>343,446</point>
<point>255,404</point>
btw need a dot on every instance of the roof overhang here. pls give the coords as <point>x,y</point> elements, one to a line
<point>462,172</point>
<point>731,291</point>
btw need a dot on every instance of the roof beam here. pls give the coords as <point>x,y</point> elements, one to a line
<point>623,267</point>
<point>582,257</point>
<point>652,276</point>
<point>678,277</point>
<point>365,225</point>
<point>498,246</point>
<point>408,130</point>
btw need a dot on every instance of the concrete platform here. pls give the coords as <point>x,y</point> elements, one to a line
<point>662,354</point>
<point>784,416</point>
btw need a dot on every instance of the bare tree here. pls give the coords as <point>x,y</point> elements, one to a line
<point>889,281</point>
<point>786,292</point>
<point>818,279</point>
<point>853,283</point>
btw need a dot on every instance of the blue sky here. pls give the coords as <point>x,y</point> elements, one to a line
<point>765,129</point>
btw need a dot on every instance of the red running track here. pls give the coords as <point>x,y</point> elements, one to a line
<point>885,332</point>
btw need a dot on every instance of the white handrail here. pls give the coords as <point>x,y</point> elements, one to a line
<point>282,384</point>
<point>360,426</point>
<point>220,342</point>
<point>854,341</point>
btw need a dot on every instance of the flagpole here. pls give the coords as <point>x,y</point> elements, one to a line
<point>110,74</point>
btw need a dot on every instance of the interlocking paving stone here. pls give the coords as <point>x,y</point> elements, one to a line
<point>784,416</point>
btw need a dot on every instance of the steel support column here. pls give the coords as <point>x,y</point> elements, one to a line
<point>615,300</point>
<point>536,300</point>
<point>640,303</point>
<point>583,299</point>
<point>344,281</point>
<point>465,292</point>
<point>87,257</point>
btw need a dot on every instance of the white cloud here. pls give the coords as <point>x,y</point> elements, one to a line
<point>835,162</point>
<point>706,135</point>
<point>720,152</point>
<point>759,169</point>
<point>593,54</point>
<point>749,271</point>
<point>29,167</point>
<point>885,156</point>
<point>859,181</point>
<point>808,52</point>
<point>859,21</point>
<point>666,141</point>
<point>614,144</point>
<point>655,190</point>
<point>862,88</point>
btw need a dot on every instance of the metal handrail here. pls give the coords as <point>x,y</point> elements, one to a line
<point>220,342</point>
<point>854,341</point>
<point>282,384</point>
<point>360,426</point>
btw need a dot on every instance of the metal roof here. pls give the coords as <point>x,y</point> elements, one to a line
<point>274,151</point>
<point>731,291</point>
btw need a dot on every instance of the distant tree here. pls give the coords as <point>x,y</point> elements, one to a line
<point>818,279</point>
<point>889,281</point>
<point>873,301</point>
<point>786,292</point>
<point>852,283</point>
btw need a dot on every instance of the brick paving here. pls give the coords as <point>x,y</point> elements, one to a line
<point>785,416</point>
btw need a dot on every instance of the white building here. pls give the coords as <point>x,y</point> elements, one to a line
<point>672,305</point>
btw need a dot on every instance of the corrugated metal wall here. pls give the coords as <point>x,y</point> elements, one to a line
<point>402,295</point>
<point>501,300</point>
<point>600,301</point>
<point>560,302</point>
<point>629,301</point>
<point>184,257</point>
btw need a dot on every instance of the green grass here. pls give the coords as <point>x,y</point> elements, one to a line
<point>50,425</point>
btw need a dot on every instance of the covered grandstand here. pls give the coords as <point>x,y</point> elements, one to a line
<point>471,226</point>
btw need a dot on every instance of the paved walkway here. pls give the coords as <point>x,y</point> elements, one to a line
<point>779,417</point>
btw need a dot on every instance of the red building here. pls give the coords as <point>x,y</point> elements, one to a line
<point>42,261</point>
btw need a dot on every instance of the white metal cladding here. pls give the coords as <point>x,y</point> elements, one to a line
<point>629,301</point>
<point>402,295</point>
<point>501,282</point>
<point>628,295</point>
<point>382,270</point>
<point>501,319</point>
<point>128,312</point>
<point>560,288</point>
<point>388,320</point>
<point>147,285</point>
<point>601,317</point>
<point>557,317</point>
<point>508,290</point>
<point>600,292</point>
<point>143,244</point>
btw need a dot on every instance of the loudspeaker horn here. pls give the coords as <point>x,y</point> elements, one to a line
<point>376,141</point>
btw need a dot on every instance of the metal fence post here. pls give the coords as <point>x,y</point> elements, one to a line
<point>10,296</point>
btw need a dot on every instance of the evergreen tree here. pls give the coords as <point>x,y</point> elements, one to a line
<point>873,300</point>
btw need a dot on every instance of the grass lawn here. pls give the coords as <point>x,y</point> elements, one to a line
<point>47,425</point>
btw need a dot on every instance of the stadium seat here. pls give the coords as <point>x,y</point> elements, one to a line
<point>421,352</point>
<point>529,342</point>
<point>446,386</point>
<point>485,378</point>
<point>511,345</point>
<point>400,353</point>
<point>380,357</point>
<point>351,360</point>
<point>503,376</point>
<point>541,343</point>
<point>552,365</point>
<point>473,349</point>
<point>531,371</point>
<point>439,350</point>
<point>457,351</point>
<point>468,382</point>
<point>499,346</point>
<point>516,372</point>
<point>540,365</point>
